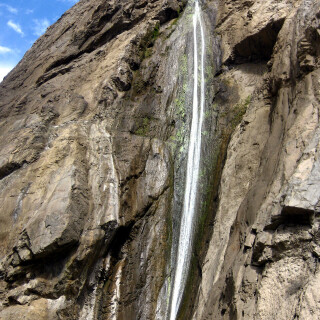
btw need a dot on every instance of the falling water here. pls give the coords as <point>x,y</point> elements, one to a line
<point>189,205</point>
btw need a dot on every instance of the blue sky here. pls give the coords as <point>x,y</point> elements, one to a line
<point>22,22</point>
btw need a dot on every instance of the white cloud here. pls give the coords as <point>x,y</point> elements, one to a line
<point>40,26</point>
<point>9,8</point>
<point>29,11</point>
<point>4,50</point>
<point>15,26</point>
<point>12,10</point>
<point>4,70</point>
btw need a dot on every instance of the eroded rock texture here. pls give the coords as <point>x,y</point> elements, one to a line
<point>263,257</point>
<point>85,168</point>
<point>92,135</point>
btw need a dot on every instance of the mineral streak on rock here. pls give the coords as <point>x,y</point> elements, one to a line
<point>92,131</point>
<point>85,167</point>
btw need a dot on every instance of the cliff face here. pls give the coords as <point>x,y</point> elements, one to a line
<point>84,165</point>
<point>94,124</point>
<point>263,257</point>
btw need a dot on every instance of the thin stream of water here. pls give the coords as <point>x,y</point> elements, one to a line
<point>193,165</point>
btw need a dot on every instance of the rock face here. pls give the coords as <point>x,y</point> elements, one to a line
<point>92,157</point>
<point>263,261</point>
<point>85,168</point>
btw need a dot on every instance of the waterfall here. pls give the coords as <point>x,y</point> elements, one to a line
<point>192,175</point>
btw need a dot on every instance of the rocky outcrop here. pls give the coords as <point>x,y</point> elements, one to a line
<point>262,261</point>
<point>94,124</point>
<point>84,166</point>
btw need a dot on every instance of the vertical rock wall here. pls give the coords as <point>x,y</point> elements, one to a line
<point>85,166</point>
<point>263,257</point>
<point>93,124</point>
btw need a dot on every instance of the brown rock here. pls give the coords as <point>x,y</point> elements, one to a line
<point>94,123</point>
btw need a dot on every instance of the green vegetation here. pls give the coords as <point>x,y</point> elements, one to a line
<point>180,101</point>
<point>156,32</point>
<point>207,114</point>
<point>144,128</point>
<point>149,41</point>
<point>147,53</point>
<point>209,73</point>
<point>238,112</point>
<point>171,26</point>
<point>180,108</point>
<point>235,114</point>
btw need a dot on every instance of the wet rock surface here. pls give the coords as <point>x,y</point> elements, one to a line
<point>94,128</point>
